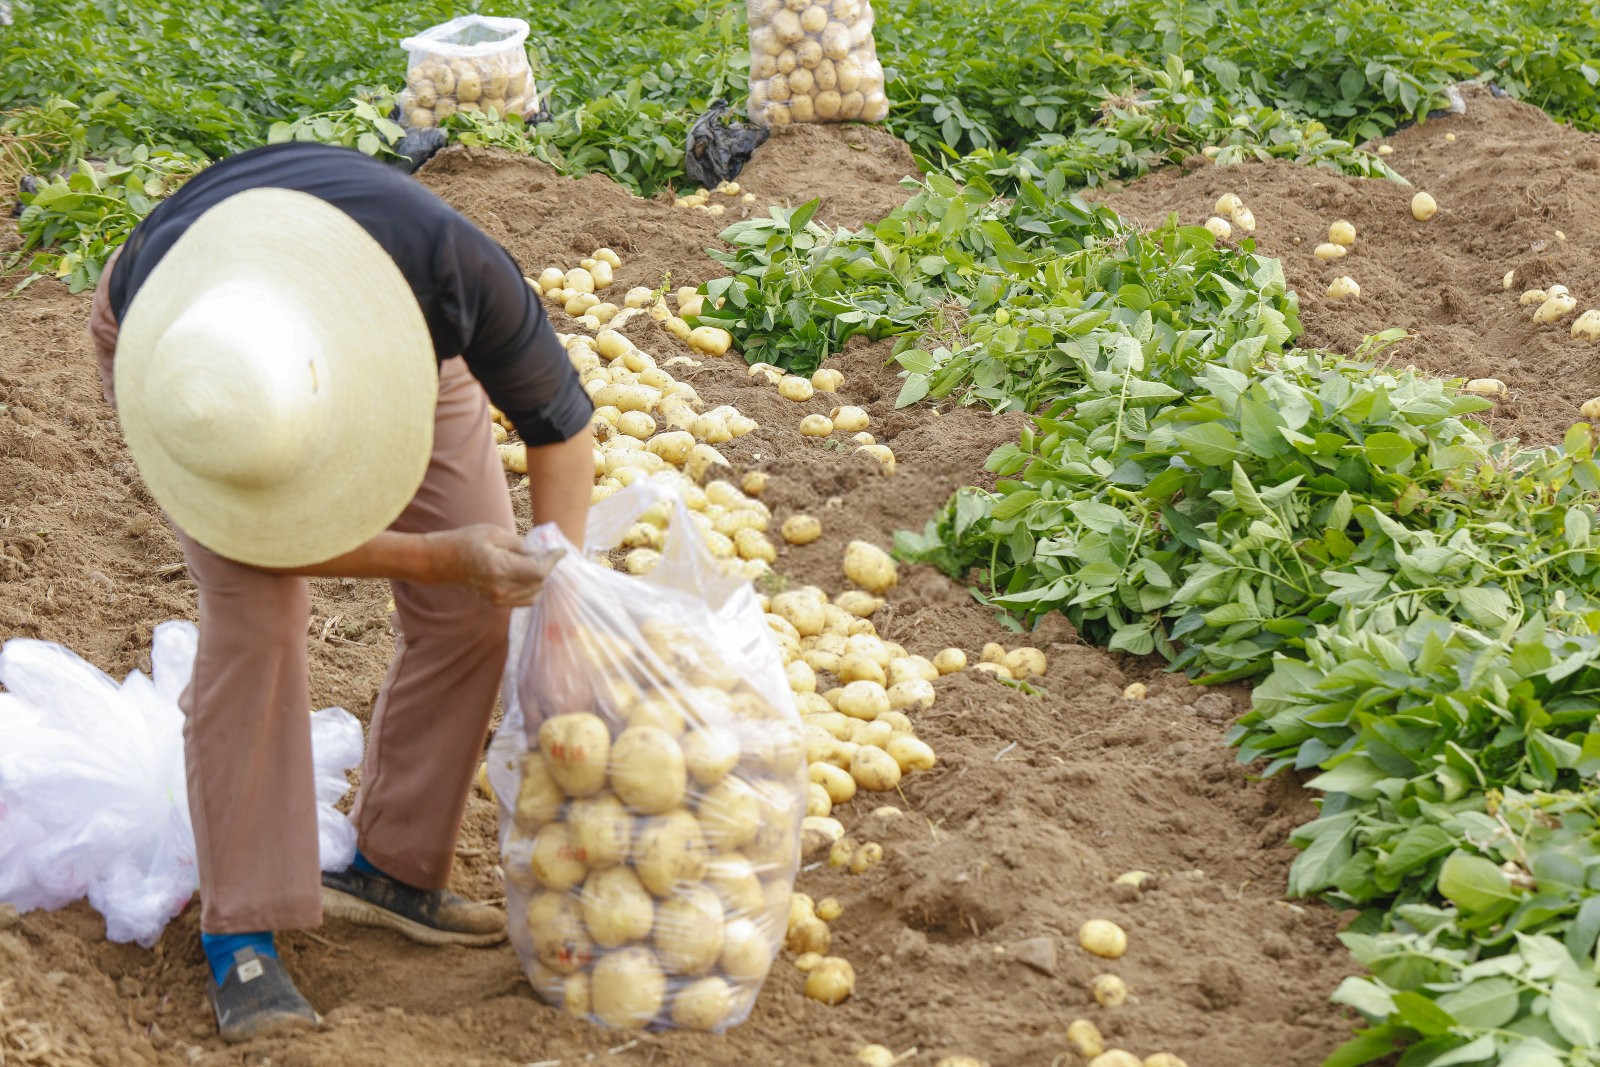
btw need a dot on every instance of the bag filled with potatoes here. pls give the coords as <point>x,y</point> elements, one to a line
<point>651,775</point>
<point>814,61</point>
<point>473,63</point>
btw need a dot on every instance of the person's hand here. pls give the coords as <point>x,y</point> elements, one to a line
<point>492,562</point>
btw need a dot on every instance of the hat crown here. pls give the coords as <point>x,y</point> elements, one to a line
<point>238,388</point>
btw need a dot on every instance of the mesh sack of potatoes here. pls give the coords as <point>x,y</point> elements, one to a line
<point>814,61</point>
<point>471,63</point>
<point>652,783</point>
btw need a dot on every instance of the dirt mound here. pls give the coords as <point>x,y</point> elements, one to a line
<point>1516,192</point>
<point>1039,801</point>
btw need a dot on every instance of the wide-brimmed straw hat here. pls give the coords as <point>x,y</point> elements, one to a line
<point>276,382</point>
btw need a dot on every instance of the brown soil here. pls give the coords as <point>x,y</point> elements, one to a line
<point>1510,187</point>
<point>1038,802</point>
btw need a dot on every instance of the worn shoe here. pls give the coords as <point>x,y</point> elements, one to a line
<point>258,998</point>
<point>429,916</point>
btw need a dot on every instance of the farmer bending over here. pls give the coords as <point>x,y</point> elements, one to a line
<point>298,344</point>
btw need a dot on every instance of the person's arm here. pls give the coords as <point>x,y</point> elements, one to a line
<point>560,477</point>
<point>486,558</point>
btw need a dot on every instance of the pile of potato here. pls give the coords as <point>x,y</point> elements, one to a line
<point>655,835</point>
<point>814,61</point>
<point>1555,303</point>
<point>437,88</point>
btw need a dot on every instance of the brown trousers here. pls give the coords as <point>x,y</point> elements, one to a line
<point>247,740</point>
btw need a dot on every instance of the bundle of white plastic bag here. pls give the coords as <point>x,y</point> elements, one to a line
<point>93,800</point>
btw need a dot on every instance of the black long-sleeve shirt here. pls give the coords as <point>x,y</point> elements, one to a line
<point>470,290</point>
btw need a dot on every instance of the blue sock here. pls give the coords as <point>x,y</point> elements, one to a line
<point>219,949</point>
<point>364,865</point>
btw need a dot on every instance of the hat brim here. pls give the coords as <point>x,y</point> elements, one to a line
<point>380,427</point>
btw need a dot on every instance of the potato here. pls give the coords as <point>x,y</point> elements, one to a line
<point>555,860</point>
<point>556,931</point>
<point>601,830</point>
<point>793,387</point>
<point>746,952</point>
<point>838,783</point>
<point>1219,228</point>
<point>855,668</point>
<point>616,908</point>
<point>1109,990</point>
<point>1083,1037</point>
<point>818,802</point>
<point>827,104</point>
<point>881,454</point>
<point>1342,233</point>
<point>808,934</point>
<point>950,661</point>
<point>1344,287</point>
<point>647,770</point>
<point>688,931</point>
<point>831,981</point>
<point>801,610</point>
<point>568,992</point>
<point>1103,938</point>
<point>870,567</point>
<point>579,281</point>
<point>1423,207</point>
<point>670,851</point>
<point>910,669</point>
<point>539,798</point>
<point>1586,327</point>
<point>753,545</point>
<point>729,814</point>
<point>849,419</point>
<point>1493,388</point>
<point>815,425</point>
<point>575,747</point>
<point>863,700</point>
<point>874,769</point>
<point>709,753</point>
<point>1135,691</point>
<point>910,753</point>
<point>1327,251</point>
<point>1115,1057</point>
<point>1163,1059</point>
<point>874,1055</point>
<point>801,529</point>
<point>628,988</point>
<point>703,1005</point>
<point>1025,661</point>
<point>913,695</point>
<point>826,379</point>
<point>818,832</point>
<point>1228,203</point>
<point>1555,307</point>
<point>802,679</point>
<point>712,340</point>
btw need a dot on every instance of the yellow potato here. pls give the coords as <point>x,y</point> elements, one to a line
<point>802,679</point>
<point>849,419</point>
<point>866,857</point>
<point>873,1055</point>
<point>616,908</point>
<point>1342,233</point>
<point>670,851</point>
<point>911,669</point>
<point>831,981</point>
<point>754,483</point>
<point>556,931</point>
<point>1116,1057</point>
<point>539,798</point>
<point>730,813</point>
<point>838,783</point>
<point>746,952</point>
<point>863,700</point>
<point>628,988</point>
<point>733,878</point>
<point>828,909</point>
<point>874,769</point>
<point>569,992</point>
<point>801,610</point>
<point>877,732</point>
<point>1109,990</point>
<point>688,931</point>
<point>827,380</point>
<point>1163,1059</point>
<point>555,861</point>
<point>601,830</point>
<point>870,567</point>
<point>709,754</point>
<point>856,667</point>
<point>1423,207</point>
<point>753,545</point>
<point>1103,938</point>
<point>808,934</point>
<point>703,1005</point>
<point>911,753</point>
<point>801,529</point>
<point>1025,661</point>
<point>647,770</point>
<point>818,802</point>
<point>950,660</point>
<point>1083,1037</point>
<point>818,832</point>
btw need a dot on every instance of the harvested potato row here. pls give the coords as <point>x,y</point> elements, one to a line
<point>438,87</point>
<point>814,61</point>
<point>651,847</point>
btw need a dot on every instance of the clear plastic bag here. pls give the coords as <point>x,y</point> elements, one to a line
<point>93,798</point>
<point>814,61</point>
<point>651,776</point>
<point>471,63</point>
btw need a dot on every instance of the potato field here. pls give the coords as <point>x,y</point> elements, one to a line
<point>1163,437</point>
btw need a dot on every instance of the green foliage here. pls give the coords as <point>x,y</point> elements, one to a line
<point>363,124</point>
